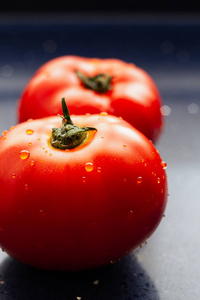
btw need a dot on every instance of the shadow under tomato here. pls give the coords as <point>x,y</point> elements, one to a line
<point>124,280</point>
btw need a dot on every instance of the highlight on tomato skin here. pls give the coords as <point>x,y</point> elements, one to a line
<point>94,85</point>
<point>82,207</point>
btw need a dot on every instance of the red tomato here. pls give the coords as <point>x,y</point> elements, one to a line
<point>123,90</point>
<point>83,207</point>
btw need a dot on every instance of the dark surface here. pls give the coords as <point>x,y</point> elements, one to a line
<point>168,49</point>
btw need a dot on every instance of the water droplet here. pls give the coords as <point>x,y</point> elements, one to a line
<point>125,180</point>
<point>50,154</point>
<point>165,110</point>
<point>130,215</point>
<point>99,169</point>
<point>158,180</point>
<point>164,165</point>
<point>4,138</point>
<point>124,146</point>
<point>13,175</point>
<point>12,127</point>
<point>46,151</point>
<point>29,143</point>
<point>32,162</point>
<point>142,160</point>
<point>139,180</point>
<point>102,137</point>
<point>24,154</point>
<point>4,132</point>
<point>42,213</point>
<point>193,108</point>
<point>38,139</point>
<point>89,166</point>
<point>26,187</point>
<point>83,179</point>
<point>162,191</point>
<point>29,131</point>
<point>43,148</point>
<point>103,113</point>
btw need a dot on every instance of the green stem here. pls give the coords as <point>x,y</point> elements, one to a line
<point>68,136</point>
<point>100,83</point>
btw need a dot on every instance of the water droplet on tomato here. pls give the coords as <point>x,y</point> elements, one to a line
<point>26,187</point>
<point>139,180</point>
<point>29,143</point>
<point>12,127</point>
<point>46,151</point>
<point>50,154</point>
<point>13,175</point>
<point>125,180</point>
<point>124,145</point>
<point>4,132</point>
<point>4,138</point>
<point>162,191</point>
<point>29,131</point>
<point>83,179</point>
<point>130,215</point>
<point>158,180</point>
<point>99,169</point>
<point>24,154</point>
<point>32,162</point>
<point>164,165</point>
<point>103,113</point>
<point>89,166</point>
<point>42,213</point>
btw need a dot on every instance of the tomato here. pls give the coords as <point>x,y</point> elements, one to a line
<point>93,85</point>
<point>73,203</point>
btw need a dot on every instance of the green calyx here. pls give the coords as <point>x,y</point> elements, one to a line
<point>100,83</point>
<point>68,136</point>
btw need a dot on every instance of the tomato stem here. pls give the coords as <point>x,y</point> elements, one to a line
<point>68,136</point>
<point>100,83</point>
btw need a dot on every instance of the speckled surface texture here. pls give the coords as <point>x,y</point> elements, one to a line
<point>167,267</point>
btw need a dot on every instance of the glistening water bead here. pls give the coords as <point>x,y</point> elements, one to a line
<point>89,166</point>
<point>24,154</point>
<point>29,131</point>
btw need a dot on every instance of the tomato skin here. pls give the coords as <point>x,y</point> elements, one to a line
<point>133,95</point>
<point>80,208</point>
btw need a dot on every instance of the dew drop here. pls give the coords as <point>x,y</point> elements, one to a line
<point>125,180</point>
<point>29,131</point>
<point>32,162</point>
<point>12,127</point>
<point>30,144</point>
<point>130,215</point>
<point>14,175</point>
<point>158,180</point>
<point>124,145</point>
<point>46,151</point>
<point>162,191</point>
<point>83,179</point>
<point>103,113</point>
<point>99,169</point>
<point>89,166</point>
<point>142,160</point>
<point>164,165</point>
<point>4,132</point>
<point>50,154</point>
<point>26,187</point>
<point>24,154</point>
<point>139,180</point>
<point>42,213</point>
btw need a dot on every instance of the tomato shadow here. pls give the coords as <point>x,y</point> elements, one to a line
<point>124,280</point>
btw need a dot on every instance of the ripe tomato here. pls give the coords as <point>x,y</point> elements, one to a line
<point>82,207</point>
<point>93,85</point>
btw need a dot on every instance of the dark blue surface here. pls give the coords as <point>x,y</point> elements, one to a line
<point>167,268</point>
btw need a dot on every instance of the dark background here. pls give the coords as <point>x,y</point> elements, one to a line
<point>103,5</point>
